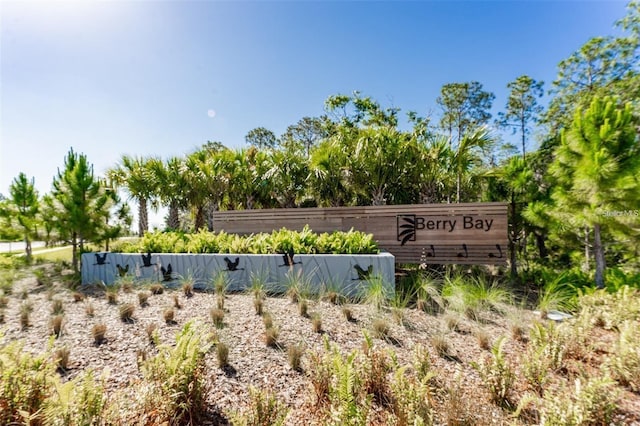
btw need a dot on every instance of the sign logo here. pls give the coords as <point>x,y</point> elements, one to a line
<point>407,225</point>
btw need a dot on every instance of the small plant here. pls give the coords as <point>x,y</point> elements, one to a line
<point>498,376</point>
<point>267,320</point>
<point>112,295</point>
<point>452,322</point>
<point>156,288</point>
<point>222,353</point>
<point>24,294</point>
<point>217,316</point>
<point>422,363</point>
<point>294,355</point>
<point>57,307</point>
<point>482,338</point>
<point>220,301</point>
<point>220,283</point>
<point>98,332</point>
<point>303,308</point>
<point>320,374</point>
<point>316,323</point>
<point>271,337</point>
<point>399,305</point>
<point>187,287</point>
<point>77,296</point>
<point>376,292</point>
<point>25,311</point>
<point>441,345</point>
<point>2,316</point>
<point>518,331</point>
<point>176,302</point>
<point>89,309</point>
<point>61,358</point>
<point>624,363</point>
<point>126,312</point>
<point>258,305</point>
<point>380,328</point>
<point>4,300</point>
<point>258,284</point>
<point>143,298</point>
<point>168,314</point>
<point>347,313</point>
<point>152,333</point>
<point>126,285</point>
<point>264,409</point>
<point>56,324</point>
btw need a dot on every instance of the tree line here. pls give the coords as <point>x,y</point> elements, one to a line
<point>574,200</point>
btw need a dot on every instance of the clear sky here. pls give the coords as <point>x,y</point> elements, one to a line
<point>163,77</point>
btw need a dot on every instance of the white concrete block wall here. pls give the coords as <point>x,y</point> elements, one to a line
<point>319,269</point>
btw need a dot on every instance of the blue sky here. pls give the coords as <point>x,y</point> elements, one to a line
<point>139,77</point>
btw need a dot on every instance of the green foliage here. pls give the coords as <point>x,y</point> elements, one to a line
<point>80,401</point>
<point>375,292</point>
<point>25,205</point>
<point>624,362</point>
<point>592,401</point>
<point>278,242</point>
<point>472,296</point>
<point>26,381</point>
<point>177,377</point>
<point>264,409</point>
<point>497,375</point>
<point>412,400</point>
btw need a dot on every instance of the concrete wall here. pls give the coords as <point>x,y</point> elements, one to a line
<point>346,272</point>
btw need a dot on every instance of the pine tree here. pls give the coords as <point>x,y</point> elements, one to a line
<point>24,200</point>
<point>597,167</point>
<point>80,203</point>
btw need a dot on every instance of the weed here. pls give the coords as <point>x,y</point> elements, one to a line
<point>126,312</point>
<point>156,288</point>
<point>168,314</point>
<point>222,353</point>
<point>264,409</point>
<point>56,324</point>
<point>380,328</point>
<point>294,355</point>
<point>217,316</point>
<point>61,358</point>
<point>316,323</point>
<point>98,332</point>
<point>498,376</point>
<point>271,337</point>
<point>258,305</point>
<point>57,307</point>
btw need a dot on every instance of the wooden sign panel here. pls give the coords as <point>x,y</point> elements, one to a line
<point>470,233</point>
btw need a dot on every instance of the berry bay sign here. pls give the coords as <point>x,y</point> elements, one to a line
<point>469,233</point>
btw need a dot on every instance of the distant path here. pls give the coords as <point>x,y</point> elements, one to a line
<point>18,246</point>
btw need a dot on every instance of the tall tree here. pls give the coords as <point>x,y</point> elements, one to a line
<point>261,138</point>
<point>169,186</point>
<point>464,107</point>
<point>603,66</point>
<point>468,154</point>
<point>79,203</point>
<point>136,176</point>
<point>287,174</point>
<point>24,200</point>
<point>308,131</point>
<point>597,167</point>
<point>522,107</point>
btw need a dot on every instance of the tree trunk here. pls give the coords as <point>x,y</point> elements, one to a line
<point>199,221</point>
<point>598,251</point>
<point>513,236</point>
<point>173,221</point>
<point>74,251</point>
<point>542,246</point>
<point>143,216</point>
<point>27,247</point>
<point>458,184</point>
<point>377,197</point>
<point>587,254</point>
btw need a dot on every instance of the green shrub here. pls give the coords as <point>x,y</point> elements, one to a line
<point>624,362</point>
<point>264,409</point>
<point>497,375</point>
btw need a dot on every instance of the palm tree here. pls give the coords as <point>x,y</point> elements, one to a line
<point>288,171</point>
<point>136,176</point>
<point>329,174</point>
<point>467,154</point>
<point>169,185</point>
<point>435,163</point>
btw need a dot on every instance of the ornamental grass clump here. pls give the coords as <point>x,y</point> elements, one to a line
<point>56,324</point>
<point>143,299</point>
<point>217,317</point>
<point>98,332</point>
<point>222,354</point>
<point>156,288</point>
<point>294,355</point>
<point>316,323</point>
<point>126,312</point>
